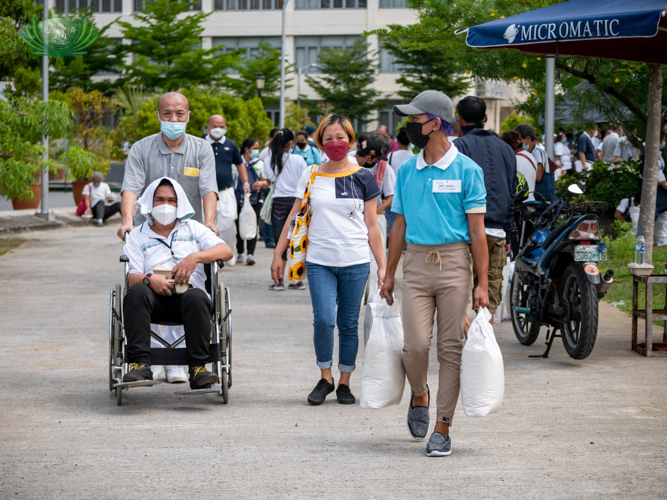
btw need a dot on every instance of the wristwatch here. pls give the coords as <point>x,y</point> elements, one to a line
<point>147,280</point>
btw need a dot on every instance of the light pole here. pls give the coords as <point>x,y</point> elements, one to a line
<point>44,207</point>
<point>260,81</point>
<point>282,70</point>
<point>298,81</point>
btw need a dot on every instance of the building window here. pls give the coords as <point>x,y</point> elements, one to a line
<point>247,4</point>
<point>393,4</point>
<point>388,62</point>
<point>138,4</point>
<point>98,6</point>
<point>308,47</point>
<point>389,118</point>
<point>248,44</point>
<point>330,4</point>
<point>274,116</point>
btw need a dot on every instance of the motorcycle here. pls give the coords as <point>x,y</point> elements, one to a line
<point>556,281</point>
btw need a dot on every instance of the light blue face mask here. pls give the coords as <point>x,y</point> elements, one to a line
<point>173,130</point>
<point>526,147</point>
<point>564,140</point>
<point>254,154</point>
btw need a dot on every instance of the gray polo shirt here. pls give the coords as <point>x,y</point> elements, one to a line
<point>192,165</point>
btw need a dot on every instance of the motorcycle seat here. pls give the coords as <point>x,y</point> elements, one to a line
<point>554,234</point>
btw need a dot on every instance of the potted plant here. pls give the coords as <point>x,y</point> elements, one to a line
<point>23,122</point>
<point>81,164</point>
<point>20,182</point>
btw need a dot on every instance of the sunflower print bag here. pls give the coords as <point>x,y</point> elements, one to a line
<point>298,235</point>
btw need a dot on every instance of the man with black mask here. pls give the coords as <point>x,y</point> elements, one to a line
<point>499,165</point>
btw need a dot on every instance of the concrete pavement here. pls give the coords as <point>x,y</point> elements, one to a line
<point>567,429</point>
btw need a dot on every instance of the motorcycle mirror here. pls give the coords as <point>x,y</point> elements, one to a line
<point>576,188</point>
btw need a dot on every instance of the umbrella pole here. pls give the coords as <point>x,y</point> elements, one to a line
<point>549,111</point>
<point>651,152</point>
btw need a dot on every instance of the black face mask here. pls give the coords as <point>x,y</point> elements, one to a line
<point>369,164</point>
<point>414,132</point>
<point>302,145</point>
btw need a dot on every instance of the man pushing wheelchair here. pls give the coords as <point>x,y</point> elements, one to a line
<point>169,239</point>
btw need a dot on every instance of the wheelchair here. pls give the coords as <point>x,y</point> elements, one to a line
<point>220,349</point>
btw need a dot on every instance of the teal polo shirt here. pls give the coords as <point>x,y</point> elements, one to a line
<point>435,199</point>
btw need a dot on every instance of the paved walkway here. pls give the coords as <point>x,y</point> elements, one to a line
<point>568,429</point>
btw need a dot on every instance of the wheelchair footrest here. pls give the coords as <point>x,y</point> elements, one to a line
<point>138,383</point>
<point>214,389</point>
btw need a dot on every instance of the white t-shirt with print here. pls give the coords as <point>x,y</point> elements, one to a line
<point>293,167</point>
<point>146,249</point>
<point>397,158</point>
<point>98,194</point>
<point>527,165</point>
<point>337,235</point>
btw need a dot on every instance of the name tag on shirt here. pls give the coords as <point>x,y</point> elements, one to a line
<point>446,186</point>
<point>193,172</point>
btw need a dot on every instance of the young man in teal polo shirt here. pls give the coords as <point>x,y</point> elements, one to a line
<point>439,201</point>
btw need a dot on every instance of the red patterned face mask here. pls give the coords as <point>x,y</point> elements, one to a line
<point>336,150</point>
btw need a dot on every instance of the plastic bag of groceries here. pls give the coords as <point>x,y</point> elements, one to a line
<point>382,374</point>
<point>247,220</point>
<point>482,371</point>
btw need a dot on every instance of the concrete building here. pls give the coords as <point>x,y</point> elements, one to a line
<point>310,26</point>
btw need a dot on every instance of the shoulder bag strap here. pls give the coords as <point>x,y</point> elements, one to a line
<point>527,158</point>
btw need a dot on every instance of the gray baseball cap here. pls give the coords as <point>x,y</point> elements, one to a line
<point>432,102</point>
<point>98,176</point>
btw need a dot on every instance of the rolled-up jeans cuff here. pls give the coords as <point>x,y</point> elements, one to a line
<point>323,365</point>
<point>346,368</point>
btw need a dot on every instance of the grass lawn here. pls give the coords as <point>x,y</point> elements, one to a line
<point>6,244</point>
<point>621,252</point>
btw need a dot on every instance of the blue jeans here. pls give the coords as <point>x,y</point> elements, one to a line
<point>347,285</point>
<point>391,217</point>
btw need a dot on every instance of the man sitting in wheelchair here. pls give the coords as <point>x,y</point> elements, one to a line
<point>169,238</point>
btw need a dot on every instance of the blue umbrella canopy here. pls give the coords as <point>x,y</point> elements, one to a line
<point>588,28</point>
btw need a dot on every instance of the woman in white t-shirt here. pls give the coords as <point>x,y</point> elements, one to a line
<point>562,153</point>
<point>285,170</point>
<point>526,164</point>
<point>343,224</point>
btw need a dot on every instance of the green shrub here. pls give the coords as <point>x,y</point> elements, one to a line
<point>604,182</point>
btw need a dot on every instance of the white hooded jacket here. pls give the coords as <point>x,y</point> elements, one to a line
<point>146,249</point>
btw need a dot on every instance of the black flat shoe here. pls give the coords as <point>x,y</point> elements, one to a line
<point>344,395</point>
<point>321,391</point>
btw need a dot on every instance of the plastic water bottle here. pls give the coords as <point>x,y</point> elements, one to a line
<point>640,249</point>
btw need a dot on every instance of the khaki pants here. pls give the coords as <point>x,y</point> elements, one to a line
<point>436,278</point>
<point>497,260</point>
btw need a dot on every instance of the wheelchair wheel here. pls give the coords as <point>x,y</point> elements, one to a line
<point>224,387</point>
<point>112,326</point>
<point>115,336</point>
<point>228,308</point>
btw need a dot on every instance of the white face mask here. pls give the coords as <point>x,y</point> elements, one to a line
<point>164,214</point>
<point>217,132</point>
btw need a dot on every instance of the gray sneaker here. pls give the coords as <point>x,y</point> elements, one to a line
<point>277,288</point>
<point>418,418</point>
<point>439,445</point>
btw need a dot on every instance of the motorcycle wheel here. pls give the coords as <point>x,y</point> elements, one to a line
<point>525,328</point>
<point>581,328</point>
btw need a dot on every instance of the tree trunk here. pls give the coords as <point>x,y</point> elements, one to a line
<point>650,181</point>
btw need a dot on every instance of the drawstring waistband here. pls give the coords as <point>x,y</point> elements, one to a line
<point>437,258</point>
